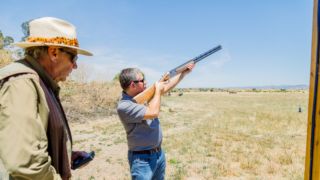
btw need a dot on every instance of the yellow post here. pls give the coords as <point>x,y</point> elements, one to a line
<point>312,163</point>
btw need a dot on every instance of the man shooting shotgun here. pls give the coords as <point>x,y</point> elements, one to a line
<point>144,135</point>
<point>146,95</point>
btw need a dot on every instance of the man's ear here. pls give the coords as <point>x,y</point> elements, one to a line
<point>132,84</point>
<point>53,53</point>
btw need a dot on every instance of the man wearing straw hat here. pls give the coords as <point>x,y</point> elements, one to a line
<point>35,137</point>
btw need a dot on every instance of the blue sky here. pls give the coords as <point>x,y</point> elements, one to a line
<point>264,42</point>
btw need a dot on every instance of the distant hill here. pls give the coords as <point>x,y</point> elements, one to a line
<point>288,87</point>
<point>246,88</point>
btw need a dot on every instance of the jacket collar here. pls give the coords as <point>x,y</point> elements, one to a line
<point>46,78</point>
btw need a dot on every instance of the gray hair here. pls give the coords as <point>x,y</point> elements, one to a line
<point>127,76</point>
<point>36,52</point>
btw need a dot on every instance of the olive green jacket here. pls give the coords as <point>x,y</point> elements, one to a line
<point>23,125</point>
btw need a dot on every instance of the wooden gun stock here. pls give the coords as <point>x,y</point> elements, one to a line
<point>146,95</point>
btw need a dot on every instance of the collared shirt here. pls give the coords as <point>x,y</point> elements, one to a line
<point>141,134</point>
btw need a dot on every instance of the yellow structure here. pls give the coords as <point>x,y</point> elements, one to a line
<point>312,163</point>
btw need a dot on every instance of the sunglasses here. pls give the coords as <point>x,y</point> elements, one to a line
<point>73,56</point>
<point>137,81</point>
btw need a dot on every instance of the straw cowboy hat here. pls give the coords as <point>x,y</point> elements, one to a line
<point>50,31</point>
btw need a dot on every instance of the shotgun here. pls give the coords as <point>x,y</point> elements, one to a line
<point>146,95</point>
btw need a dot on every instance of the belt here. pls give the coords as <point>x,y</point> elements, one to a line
<point>150,151</point>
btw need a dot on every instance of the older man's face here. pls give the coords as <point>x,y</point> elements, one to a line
<point>65,64</point>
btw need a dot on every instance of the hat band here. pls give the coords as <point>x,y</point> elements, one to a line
<point>55,40</point>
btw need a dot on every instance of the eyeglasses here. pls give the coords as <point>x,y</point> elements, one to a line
<point>73,56</point>
<point>137,81</point>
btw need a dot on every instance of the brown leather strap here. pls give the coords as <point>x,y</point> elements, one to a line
<point>58,133</point>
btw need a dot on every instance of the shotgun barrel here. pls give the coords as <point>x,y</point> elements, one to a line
<point>146,95</point>
<point>178,69</point>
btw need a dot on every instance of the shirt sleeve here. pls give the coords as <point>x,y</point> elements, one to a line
<point>23,139</point>
<point>131,112</point>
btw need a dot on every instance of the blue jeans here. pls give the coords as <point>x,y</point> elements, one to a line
<point>147,166</point>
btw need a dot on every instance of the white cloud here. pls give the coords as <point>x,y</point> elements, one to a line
<point>209,72</point>
<point>220,60</point>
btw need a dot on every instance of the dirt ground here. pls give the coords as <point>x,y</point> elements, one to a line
<point>110,149</point>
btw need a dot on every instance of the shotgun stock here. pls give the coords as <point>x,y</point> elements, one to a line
<point>146,95</point>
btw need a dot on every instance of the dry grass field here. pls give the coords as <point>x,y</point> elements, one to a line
<point>209,135</point>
